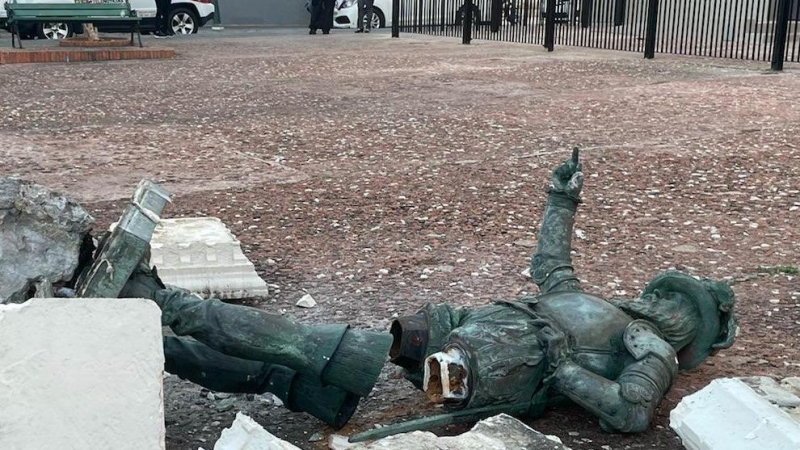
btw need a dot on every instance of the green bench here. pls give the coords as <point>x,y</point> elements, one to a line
<point>71,12</point>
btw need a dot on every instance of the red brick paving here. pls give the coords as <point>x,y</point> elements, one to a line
<point>51,55</point>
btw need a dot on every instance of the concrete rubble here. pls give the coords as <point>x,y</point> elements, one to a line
<point>306,301</point>
<point>41,233</point>
<point>772,391</point>
<point>501,432</point>
<point>246,434</point>
<point>202,255</point>
<point>730,415</point>
<point>81,374</point>
<point>784,394</point>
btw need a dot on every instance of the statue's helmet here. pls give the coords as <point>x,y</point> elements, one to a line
<point>714,301</point>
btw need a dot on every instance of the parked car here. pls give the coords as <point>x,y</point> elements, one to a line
<point>185,17</point>
<point>345,14</point>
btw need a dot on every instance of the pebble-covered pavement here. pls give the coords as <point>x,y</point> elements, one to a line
<point>378,174</point>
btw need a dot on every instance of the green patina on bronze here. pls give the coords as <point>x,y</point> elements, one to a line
<point>321,369</point>
<point>615,358</point>
<point>121,251</point>
<point>201,364</point>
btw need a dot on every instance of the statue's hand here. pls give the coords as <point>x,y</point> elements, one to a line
<point>568,177</point>
<point>557,347</point>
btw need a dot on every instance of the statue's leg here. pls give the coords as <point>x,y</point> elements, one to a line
<point>332,354</point>
<point>493,358</point>
<point>192,360</point>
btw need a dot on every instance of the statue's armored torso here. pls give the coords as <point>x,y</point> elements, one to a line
<point>594,326</point>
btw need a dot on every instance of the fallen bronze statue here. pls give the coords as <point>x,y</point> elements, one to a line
<point>615,358</point>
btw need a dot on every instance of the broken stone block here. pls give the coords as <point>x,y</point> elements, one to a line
<point>129,241</point>
<point>202,255</point>
<point>339,442</point>
<point>81,374</point>
<point>246,434</point>
<point>513,434</point>
<point>306,301</point>
<point>729,415</point>
<point>501,432</point>
<point>41,233</point>
<point>772,391</point>
<point>792,384</point>
<point>785,395</point>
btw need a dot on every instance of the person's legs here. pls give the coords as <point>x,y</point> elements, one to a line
<point>368,13</point>
<point>361,10</point>
<point>192,360</point>
<point>162,17</point>
<point>316,16</point>
<point>327,16</point>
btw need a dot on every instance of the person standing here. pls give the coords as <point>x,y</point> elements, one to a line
<point>162,21</point>
<point>321,16</point>
<point>364,11</point>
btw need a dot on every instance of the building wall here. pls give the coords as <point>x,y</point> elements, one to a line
<point>288,13</point>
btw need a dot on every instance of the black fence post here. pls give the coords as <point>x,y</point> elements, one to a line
<point>497,15</point>
<point>417,19</point>
<point>652,26</point>
<point>550,25</point>
<point>466,35</point>
<point>395,18</point>
<point>781,29</point>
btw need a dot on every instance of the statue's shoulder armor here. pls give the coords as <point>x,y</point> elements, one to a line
<point>589,319</point>
<point>642,338</point>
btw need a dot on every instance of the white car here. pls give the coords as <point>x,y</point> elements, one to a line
<point>185,17</point>
<point>345,14</point>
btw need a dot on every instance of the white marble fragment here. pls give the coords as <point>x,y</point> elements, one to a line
<point>246,434</point>
<point>202,255</point>
<point>729,415</point>
<point>81,374</point>
<point>306,301</point>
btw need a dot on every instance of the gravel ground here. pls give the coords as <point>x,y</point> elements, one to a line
<point>378,174</point>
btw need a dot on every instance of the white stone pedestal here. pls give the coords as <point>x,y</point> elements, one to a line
<point>81,374</point>
<point>201,255</point>
<point>729,415</point>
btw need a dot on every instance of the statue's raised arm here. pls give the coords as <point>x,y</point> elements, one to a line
<point>551,266</point>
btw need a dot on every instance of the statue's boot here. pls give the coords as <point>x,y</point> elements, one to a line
<point>332,355</point>
<point>191,360</point>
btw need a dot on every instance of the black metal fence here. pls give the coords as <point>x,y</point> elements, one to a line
<point>763,30</point>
